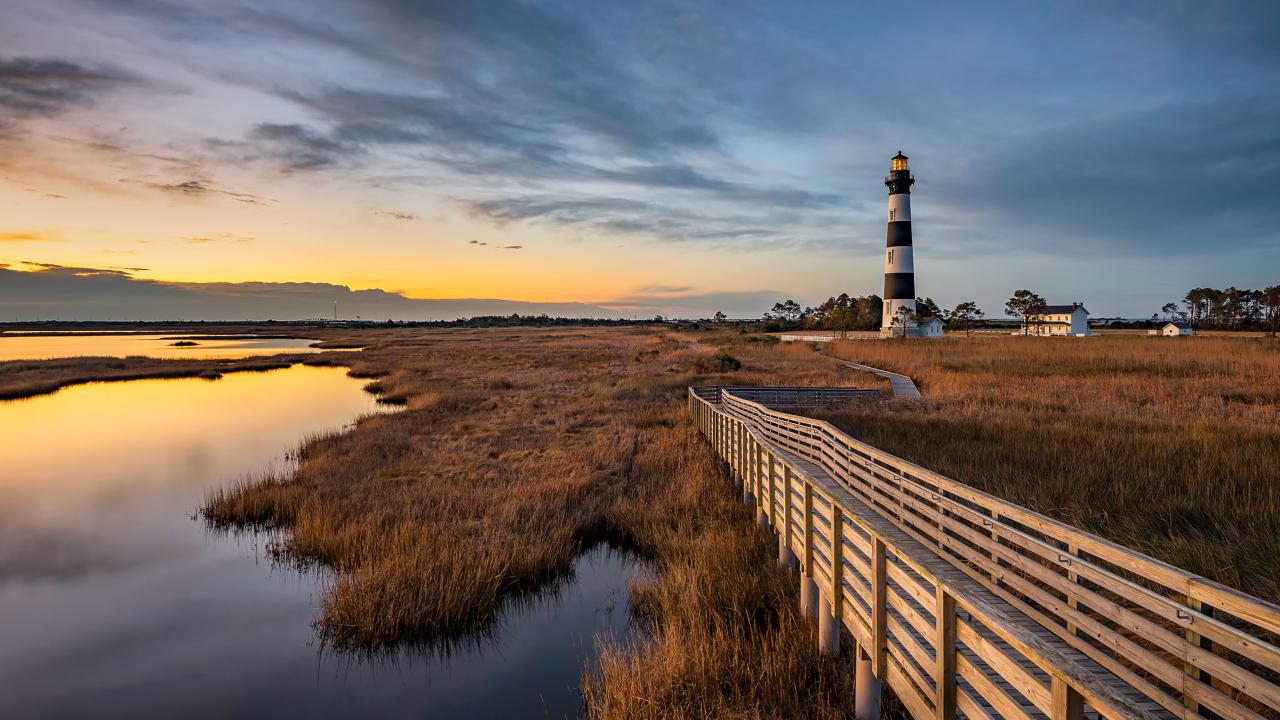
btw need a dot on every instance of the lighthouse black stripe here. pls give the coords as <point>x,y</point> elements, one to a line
<point>899,286</point>
<point>899,234</point>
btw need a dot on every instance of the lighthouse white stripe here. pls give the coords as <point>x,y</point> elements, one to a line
<point>891,307</point>
<point>898,260</point>
<point>899,207</point>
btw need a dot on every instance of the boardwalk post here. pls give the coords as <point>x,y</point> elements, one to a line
<point>773,493</point>
<point>828,627</point>
<point>837,562</point>
<point>1067,704</point>
<point>879,610</point>
<point>866,689</point>
<point>808,587</point>
<point>786,556</point>
<point>762,492</point>
<point>944,644</point>
<point>1194,638</point>
<point>808,596</point>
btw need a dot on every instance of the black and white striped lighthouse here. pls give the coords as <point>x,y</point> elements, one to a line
<point>899,268</point>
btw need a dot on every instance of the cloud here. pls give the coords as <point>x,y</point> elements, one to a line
<point>625,216</point>
<point>49,291</point>
<point>45,87</point>
<point>512,247</point>
<point>396,215</point>
<point>224,238</point>
<point>299,148</point>
<point>29,236</point>
<point>200,188</point>
<point>691,303</point>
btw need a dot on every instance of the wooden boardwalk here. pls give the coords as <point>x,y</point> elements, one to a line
<point>903,386</point>
<point>969,606</point>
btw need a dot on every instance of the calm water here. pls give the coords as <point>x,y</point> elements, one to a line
<point>115,602</point>
<point>43,347</point>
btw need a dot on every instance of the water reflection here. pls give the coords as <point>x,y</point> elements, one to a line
<point>116,602</point>
<point>210,347</point>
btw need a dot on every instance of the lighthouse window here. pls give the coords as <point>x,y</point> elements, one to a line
<point>891,256</point>
<point>891,214</point>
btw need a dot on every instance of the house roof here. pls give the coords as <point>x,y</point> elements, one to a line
<point>1179,325</point>
<point>1060,309</point>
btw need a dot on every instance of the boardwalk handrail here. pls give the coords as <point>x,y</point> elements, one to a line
<point>1168,643</point>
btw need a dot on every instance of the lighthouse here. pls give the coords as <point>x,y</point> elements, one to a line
<point>899,267</point>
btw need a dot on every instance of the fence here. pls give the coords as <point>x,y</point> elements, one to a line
<point>969,605</point>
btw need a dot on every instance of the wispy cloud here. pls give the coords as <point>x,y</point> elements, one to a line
<point>224,238</point>
<point>44,87</point>
<point>201,188</point>
<point>28,236</point>
<point>396,215</point>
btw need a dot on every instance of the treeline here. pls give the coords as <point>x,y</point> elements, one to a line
<point>1230,309</point>
<point>843,313</point>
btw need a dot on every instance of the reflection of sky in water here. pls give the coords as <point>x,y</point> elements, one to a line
<point>32,347</point>
<point>116,603</point>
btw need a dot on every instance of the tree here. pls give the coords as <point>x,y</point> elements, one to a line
<point>926,306</point>
<point>1025,306</point>
<point>964,316</point>
<point>1270,302</point>
<point>843,318</point>
<point>788,311</point>
<point>903,318</point>
<point>1170,310</point>
<point>719,316</point>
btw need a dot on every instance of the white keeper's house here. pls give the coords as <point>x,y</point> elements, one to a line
<point>1176,329</point>
<point>1068,320</point>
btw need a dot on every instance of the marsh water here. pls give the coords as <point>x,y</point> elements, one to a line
<point>30,346</point>
<point>116,601</point>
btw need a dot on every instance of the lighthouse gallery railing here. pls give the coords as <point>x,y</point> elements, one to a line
<point>971,605</point>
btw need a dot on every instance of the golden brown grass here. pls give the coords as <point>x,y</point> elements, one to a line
<point>1170,446</point>
<point>28,378</point>
<point>515,450</point>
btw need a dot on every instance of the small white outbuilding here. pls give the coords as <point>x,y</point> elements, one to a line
<point>1177,329</point>
<point>930,326</point>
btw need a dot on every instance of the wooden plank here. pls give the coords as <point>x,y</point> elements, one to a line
<point>837,561</point>
<point>944,676</point>
<point>917,705</point>
<point>912,657</point>
<point>1005,705</point>
<point>1067,703</point>
<point>971,707</point>
<point>879,607</point>
<point>1007,667</point>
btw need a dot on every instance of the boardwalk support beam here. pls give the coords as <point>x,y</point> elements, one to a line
<point>828,628</point>
<point>866,690</point>
<point>808,597</point>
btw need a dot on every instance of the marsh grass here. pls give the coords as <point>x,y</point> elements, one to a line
<point>1170,446</point>
<point>517,450</point>
<point>29,378</point>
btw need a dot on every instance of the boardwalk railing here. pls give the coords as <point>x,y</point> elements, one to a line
<point>970,605</point>
<point>787,396</point>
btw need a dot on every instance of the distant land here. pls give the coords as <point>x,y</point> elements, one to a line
<point>70,293</point>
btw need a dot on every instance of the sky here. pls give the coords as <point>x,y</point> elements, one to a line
<point>265,159</point>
